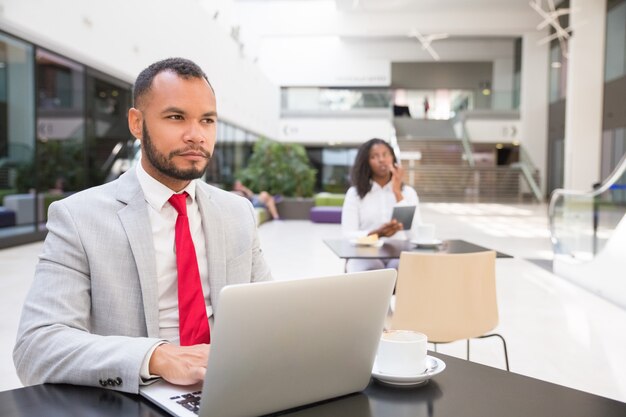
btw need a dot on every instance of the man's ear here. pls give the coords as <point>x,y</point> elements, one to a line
<point>135,122</point>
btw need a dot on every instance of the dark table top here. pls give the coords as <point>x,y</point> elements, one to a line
<point>463,389</point>
<point>393,247</point>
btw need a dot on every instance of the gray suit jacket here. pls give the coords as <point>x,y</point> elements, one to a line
<point>92,311</point>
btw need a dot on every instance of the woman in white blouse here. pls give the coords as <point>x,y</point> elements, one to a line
<point>376,189</point>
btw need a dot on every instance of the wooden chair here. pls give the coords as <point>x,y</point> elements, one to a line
<point>448,297</point>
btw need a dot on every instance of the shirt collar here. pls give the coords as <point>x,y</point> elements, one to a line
<point>377,186</point>
<point>156,193</point>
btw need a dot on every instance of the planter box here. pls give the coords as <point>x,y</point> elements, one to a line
<point>24,206</point>
<point>326,214</point>
<point>329,199</point>
<point>295,208</point>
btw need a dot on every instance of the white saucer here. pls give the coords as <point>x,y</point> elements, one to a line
<point>434,366</point>
<point>376,244</point>
<point>434,242</point>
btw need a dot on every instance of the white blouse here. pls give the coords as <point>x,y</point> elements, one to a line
<point>362,215</point>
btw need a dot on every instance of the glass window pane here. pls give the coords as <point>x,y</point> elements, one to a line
<point>17,137</point>
<point>60,123</point>
<point>109,142</point>
<point>615,42</point>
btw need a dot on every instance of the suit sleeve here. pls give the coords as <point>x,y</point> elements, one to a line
<point>260,270</point>
<point>54,341</point>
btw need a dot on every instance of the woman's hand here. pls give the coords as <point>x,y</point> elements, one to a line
<point>397,173</point>
<point>388,229</point>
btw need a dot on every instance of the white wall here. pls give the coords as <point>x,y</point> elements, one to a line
<point>505,130</point>
<point>320,61</point>
<point>334,131</point>
<point>585,94</point>
<point>123,37</point>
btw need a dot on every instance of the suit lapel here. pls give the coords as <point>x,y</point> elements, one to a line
<point>215,239</point>
<point>136,223</point>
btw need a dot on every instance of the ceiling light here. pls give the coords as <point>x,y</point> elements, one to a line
<point>427,40</point>
<point>551,17</point>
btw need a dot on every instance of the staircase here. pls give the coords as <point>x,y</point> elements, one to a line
<point>443,174</point>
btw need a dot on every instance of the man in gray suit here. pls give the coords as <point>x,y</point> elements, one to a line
<point>103,307</point>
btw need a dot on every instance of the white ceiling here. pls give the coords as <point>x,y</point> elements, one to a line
<point>372,18</point>
<point>478,30</point>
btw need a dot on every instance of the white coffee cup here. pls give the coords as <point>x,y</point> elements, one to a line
<point>425,233</point>
<point>402,353</point>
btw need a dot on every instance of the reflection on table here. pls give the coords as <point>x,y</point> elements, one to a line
<point>392,248</point>
<point>463,389</point>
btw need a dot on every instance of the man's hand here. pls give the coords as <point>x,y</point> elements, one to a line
<point>388,229</point>
<point>180,365</point>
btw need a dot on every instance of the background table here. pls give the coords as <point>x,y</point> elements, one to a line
<point>463,389</point>
<point>392,248</point>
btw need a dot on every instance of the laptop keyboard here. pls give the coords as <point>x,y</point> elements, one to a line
<point>191,400</point>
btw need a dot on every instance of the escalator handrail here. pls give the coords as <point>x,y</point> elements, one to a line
<point>603,187</point>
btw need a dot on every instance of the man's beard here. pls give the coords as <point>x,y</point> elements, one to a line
<point>164,163</point>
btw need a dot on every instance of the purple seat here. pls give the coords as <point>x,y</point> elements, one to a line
<point>7,217</point>
<point>325,214</point>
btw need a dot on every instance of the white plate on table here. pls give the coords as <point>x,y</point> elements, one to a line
<point>434,242</point>
<point>376,244</point>
<point>434,366</point>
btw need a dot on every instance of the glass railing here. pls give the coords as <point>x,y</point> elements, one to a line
<point>582,222</point>
<point>335,99</point>
<point>485,99</point>
<point>123,156</point>
<point>443,104</point>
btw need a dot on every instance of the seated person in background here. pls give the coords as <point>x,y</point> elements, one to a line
<point>263,199</point>
<point>376,188</point>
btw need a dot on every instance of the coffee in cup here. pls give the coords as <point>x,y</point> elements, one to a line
<point>402,353</point>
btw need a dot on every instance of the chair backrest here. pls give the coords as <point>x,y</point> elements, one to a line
<point>446,296</point>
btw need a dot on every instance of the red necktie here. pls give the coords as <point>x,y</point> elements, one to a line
<point>192,318</point>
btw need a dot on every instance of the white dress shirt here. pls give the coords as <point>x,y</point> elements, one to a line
<point>362,215</point>
<point>163,221</point>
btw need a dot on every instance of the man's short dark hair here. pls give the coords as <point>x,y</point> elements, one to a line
<point>184,68</point>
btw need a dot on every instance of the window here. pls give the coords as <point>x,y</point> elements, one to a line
<point>615,65</point>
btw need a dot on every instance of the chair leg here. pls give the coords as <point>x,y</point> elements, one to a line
<point>506,354</point>
<point>435,344</point>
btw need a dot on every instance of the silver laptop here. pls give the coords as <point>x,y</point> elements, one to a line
<point>283,344</point>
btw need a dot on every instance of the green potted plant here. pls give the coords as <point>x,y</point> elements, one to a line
<point>283,169</point>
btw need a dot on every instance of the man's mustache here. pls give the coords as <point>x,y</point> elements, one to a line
<point>202,151</point>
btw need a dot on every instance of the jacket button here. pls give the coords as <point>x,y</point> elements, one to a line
<point>118,381</point>
<point>103,383</point>
<point>110,382</point>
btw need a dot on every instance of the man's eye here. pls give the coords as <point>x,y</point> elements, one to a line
<point>175,117</point>
<point>209,121</point>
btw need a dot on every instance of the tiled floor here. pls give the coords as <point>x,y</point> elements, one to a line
<point>555,331</point>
